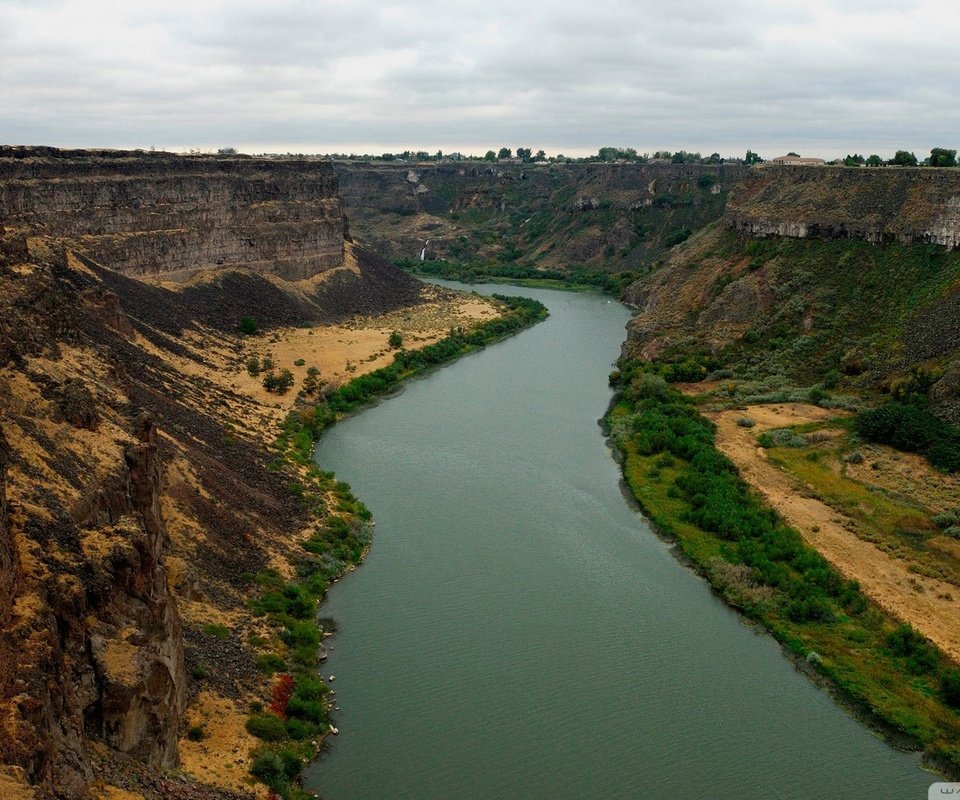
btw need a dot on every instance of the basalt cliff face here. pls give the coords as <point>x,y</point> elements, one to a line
<point>165,215</point>
<point>609,217</point>
<point>91,647</point>
<point>136,492</point>
<point>877,205</point>
<point>616,217</point>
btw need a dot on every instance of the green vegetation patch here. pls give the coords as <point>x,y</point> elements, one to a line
<point>576,279</point>
<point>760,565</point>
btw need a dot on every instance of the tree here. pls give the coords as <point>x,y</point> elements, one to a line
<point>505,152</point>
<point>540,156</point>
<point>941,157</point>
<point>396,340</point>
<point>279,384</point>
<point>248,326</point>
<point>856,160</point>
<point>489,156</point>
<point>524,153</point>
<point>752,158</point>
<point>874,160</point>
<point>903,158</point>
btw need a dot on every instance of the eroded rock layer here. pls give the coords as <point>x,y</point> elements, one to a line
<point>170,215</point>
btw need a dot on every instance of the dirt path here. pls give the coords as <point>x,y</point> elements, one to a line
<point>887,581</point>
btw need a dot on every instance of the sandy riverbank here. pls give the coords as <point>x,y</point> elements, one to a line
<point>891,580</point>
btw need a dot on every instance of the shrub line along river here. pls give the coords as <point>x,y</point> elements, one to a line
<point>517,631</point>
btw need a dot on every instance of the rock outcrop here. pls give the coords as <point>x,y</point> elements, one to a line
<point>168,215</point>
<point>91,648</point>
<point>879,205</point>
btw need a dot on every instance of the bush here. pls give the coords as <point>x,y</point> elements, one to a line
<point>911,427</point>
<point>676,236</point>
<point>270,663</point>
<point>950,687</point>
<point>396,340</point>
<point>811,609</point>
<point>196,733</point>
<point>269,767</point>
<point>945,519</point>
<point>268,727</point>
<point>217,631</point>
<point>253,366</point>
<point>907,643</point>
<point>248,326</point>
<point>279,384</point>
<point>781,437</point>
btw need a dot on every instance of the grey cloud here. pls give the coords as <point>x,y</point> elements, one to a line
<point>833,75</point>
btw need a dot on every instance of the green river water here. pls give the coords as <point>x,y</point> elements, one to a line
<point>519,632</point>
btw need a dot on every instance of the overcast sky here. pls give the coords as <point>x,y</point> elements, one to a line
<point>822,77</point>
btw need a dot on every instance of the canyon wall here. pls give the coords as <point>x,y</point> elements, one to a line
<point>879,205</point>
<point>609,217</point>
<point>616,217</point>
<point>169,215</point>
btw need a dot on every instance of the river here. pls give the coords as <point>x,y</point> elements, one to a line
<point>519,632</point>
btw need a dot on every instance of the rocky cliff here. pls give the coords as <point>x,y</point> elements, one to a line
<point>91,646</point>
<point>878,205</point>
<point>137,497</point>
<point>162,214</point>
<point>609,217</point>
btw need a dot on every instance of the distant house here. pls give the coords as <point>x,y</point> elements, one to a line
<point>793,160</point>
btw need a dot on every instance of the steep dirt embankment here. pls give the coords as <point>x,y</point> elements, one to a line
<point>609,217</point>
<point>876,204</point>
<point>158,213</point>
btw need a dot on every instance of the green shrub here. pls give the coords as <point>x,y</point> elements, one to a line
<point>217,631</point>
<point>811,609</point>
<point>299,362</point>
<point>911,427</point>
<point>253,366</point>
<point>268,727</point>
<point>269,767</point>
<point>947,518</point>
<point>396,340</point>
<point>279,384</point>
<point>196,733</point>
<point>248,326</point>
<point>950,687</point>
<point>270,663</point>
<point>907,643</point>
<point>781,437</point>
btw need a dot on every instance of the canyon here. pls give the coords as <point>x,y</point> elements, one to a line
<point>138,493</point>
